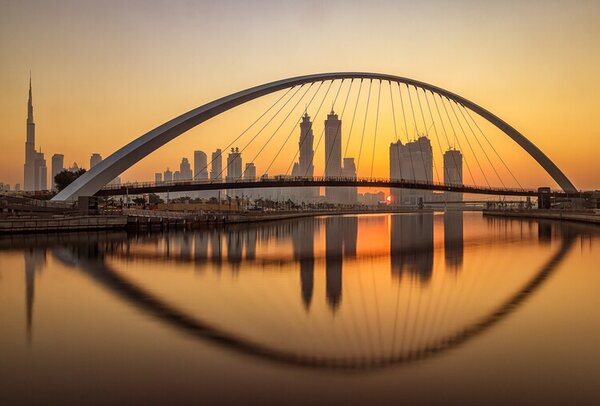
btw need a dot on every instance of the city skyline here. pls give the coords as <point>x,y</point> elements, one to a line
<point>305,202</point>
<point>67,102</point>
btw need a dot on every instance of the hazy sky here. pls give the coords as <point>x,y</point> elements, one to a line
<point>105,72</point>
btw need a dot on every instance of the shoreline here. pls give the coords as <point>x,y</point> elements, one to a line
<point>589,217</point>
<point>152,220</point>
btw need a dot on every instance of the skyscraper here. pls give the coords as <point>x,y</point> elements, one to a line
<point>453,173</point>
<point>216,169</point>
<point>40,172</point>
<point>305,165</point>
<point>200,166</point>
<point>333,154</point>
<point>250,171</point>
<point>185,170</point>
<point>95,159</point>
<point>234,165</point>
<point>250,175</point>
<point>411,162</point>
<point>168,175</point>
<point>158,177</point>
<point>305,145</point>
<point>58,165</point>
<point>30,152</point>
<point>234,171</point>
<point>350,194</point>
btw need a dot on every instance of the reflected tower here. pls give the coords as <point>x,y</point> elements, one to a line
<point>333,261</point>
<point>411,245</point>
<point>303,244</point>
<point>333,155</point>
<point>200,248</point>
<point>34,260</point>
<point>453,239</point>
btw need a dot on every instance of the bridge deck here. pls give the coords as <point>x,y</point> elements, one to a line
<point>189,185</point>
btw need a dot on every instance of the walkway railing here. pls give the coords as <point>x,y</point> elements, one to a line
<point>288,181</point>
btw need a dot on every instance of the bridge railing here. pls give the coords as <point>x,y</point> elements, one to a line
<point>266,181</point>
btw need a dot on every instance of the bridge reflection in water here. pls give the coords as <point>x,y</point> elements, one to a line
<point>356,292</point>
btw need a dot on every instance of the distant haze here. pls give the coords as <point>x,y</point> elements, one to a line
<point>107,72</point>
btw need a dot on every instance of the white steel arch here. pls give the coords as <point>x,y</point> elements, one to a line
<point>98,176</point>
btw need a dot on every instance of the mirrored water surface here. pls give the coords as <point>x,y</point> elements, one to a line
<point>427,308</point>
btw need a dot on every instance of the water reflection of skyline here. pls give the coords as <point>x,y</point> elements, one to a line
<point>411,246</point>
<point>35,260</point>
<point>411,249</point>
<point>408,259</point>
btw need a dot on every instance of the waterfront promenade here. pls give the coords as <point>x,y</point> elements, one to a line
<point>585,216</point>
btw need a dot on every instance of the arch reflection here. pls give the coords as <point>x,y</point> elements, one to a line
<point>342,247</point>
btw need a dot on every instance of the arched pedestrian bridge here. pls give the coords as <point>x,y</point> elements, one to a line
<point>417,109</point>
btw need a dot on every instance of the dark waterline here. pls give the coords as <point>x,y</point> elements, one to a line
<point>343,309</point>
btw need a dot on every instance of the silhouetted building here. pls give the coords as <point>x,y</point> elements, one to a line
<point>304,168</point>
<point>185,170</point>
<point>158,177</point>
<point>168,175</point>
<point>411,162</point>
<point>95,159</point>
<point>333,155</point>
<point>453,173</point>
<point>250,171</point>
<point>234,170</point>
<point>350,194</point>
<point>305,146</point>
<point>250,175</point>
<point>216,169</point>
<point>29,181</point>
<point>58,165</point>
<point>40,172</point>
<point>200,166</point>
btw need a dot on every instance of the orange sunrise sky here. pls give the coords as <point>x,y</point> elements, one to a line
<point>105,73</point>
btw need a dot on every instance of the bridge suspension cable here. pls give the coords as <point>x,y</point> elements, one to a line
<point>298,121</point>
<point>492,146</point>
<point>437,137</point>
<point>364,126</point>
<point>249,127</point>
<point>480,145</point>
<point>376,125</point>
<point>427,133</point>
<point>412,164</point>
<point>285,119</point>
<point>425,171</point>
<point>469,143</point>
<point>265,125</point>
<point>455,136</point>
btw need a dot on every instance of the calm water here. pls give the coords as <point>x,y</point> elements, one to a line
<point>425,308</point>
